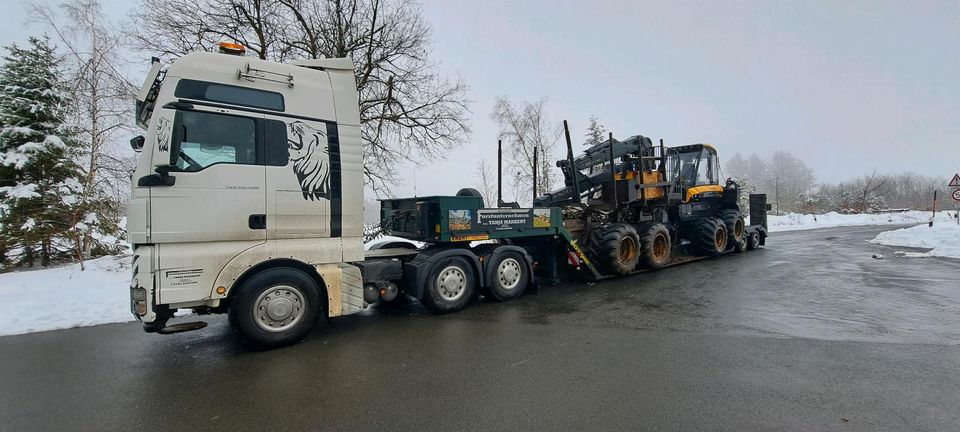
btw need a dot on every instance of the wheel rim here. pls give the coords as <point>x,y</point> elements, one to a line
<point>628,249</point>
<point>279,308</point>
<point>660,247</point>
<point>508,273</point>
<point>451,283</point>
<point>720,238</point>
<point>738,229</point>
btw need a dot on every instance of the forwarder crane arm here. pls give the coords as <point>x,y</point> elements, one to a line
<point>592,161</point>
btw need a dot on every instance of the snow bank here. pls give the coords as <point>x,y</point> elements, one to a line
<point>795,221</point>
<point>943,239</point>
<point>65,297</point>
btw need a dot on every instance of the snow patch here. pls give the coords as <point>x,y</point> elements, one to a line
<point>65,297</point>
<point>943,239</point>
<point>796,221</point>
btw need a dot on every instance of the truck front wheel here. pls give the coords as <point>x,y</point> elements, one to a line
<point>449,286</point>
<point>276,307</point>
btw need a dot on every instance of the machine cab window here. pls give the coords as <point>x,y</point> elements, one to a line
<point>695,165</point>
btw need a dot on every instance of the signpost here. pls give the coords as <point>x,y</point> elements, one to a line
<point>955,182</point>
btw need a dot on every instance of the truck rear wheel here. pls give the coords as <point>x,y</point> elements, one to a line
<point>655,246</point>
<point>450,285</point>
<point>736,230</point>
<point>276,307</point>
<point>709,236</point>
<point>616,249</point>
<point>510,276</point>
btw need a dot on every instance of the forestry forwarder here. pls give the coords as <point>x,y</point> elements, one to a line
<point>653,198</point>
<point>247,200</point>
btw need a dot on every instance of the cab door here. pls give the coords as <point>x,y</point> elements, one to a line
<point>216,206</point>
<point>300,178</point>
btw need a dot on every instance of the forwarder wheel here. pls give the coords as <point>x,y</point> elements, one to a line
<point>510,276</point>
<point>276,307</point>
<point>449,285</point>
<point>616,249</point>
<point>733,220</point>
<point>753,241</point>
<point>709,236</point>
<point>655,246</point>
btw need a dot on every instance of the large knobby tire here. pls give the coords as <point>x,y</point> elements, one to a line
<point>509,276</point>
<point>276,307</point>
<point>709,236</point>
<point>449,286</point>
<point>736,228</point>
<point>615,248</point>
<point>655,246</point>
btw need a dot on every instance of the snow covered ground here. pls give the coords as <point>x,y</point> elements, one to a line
<point>943,239</point>
<point>795,221</point>
<point>64,297</point>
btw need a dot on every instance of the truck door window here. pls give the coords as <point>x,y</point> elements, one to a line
<point>275,143</point>
<point>204,139</point>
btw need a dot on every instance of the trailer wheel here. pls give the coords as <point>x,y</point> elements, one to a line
<point>449,286</point>
<point>736,230</point>
<point>709,236</point>
<point>276,307</point>
<point>616,249</point>
<point>753,241</point>
<point>741,246</point>
<point>510,276</point>
<point>655,246</point>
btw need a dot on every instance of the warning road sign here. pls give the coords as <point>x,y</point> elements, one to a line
<point>956,195</point>
<point>955,182</point>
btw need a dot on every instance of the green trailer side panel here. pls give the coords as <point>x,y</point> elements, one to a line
<point>450,219</point>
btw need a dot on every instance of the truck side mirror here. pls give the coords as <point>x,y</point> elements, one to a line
<point>136,143</point>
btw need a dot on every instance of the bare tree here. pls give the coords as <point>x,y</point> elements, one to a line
<point>407,110</point>
<point>525,127</point>
<point>867,189</point>
<point>488,183</point>
<point>99,111</point>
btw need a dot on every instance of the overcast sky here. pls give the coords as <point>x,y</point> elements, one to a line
<point>848,86</point>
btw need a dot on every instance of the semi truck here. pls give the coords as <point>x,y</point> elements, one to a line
<point>247,200</point>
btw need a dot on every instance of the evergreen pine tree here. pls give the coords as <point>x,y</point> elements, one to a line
<point>38,170</point>
<point>596,133</point>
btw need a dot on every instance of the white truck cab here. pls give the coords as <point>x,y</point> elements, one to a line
<point>248,169</point>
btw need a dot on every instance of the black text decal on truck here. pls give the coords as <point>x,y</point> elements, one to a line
<point>309,158</point>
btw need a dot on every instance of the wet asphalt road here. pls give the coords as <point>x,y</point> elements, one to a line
<point>808,334</point>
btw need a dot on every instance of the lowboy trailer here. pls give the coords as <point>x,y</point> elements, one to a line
<point>248,193</point>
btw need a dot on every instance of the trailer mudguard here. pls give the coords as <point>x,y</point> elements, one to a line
<point>418,269</point>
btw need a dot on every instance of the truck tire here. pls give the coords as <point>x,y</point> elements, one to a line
<point>753,241</point>
<point>616,249</point>
<point>510,276</point>
<point>655,246</point>
<point>276,307</point>
<point>449,286</point>
<point>709,236</point>
<point>736,228</point>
